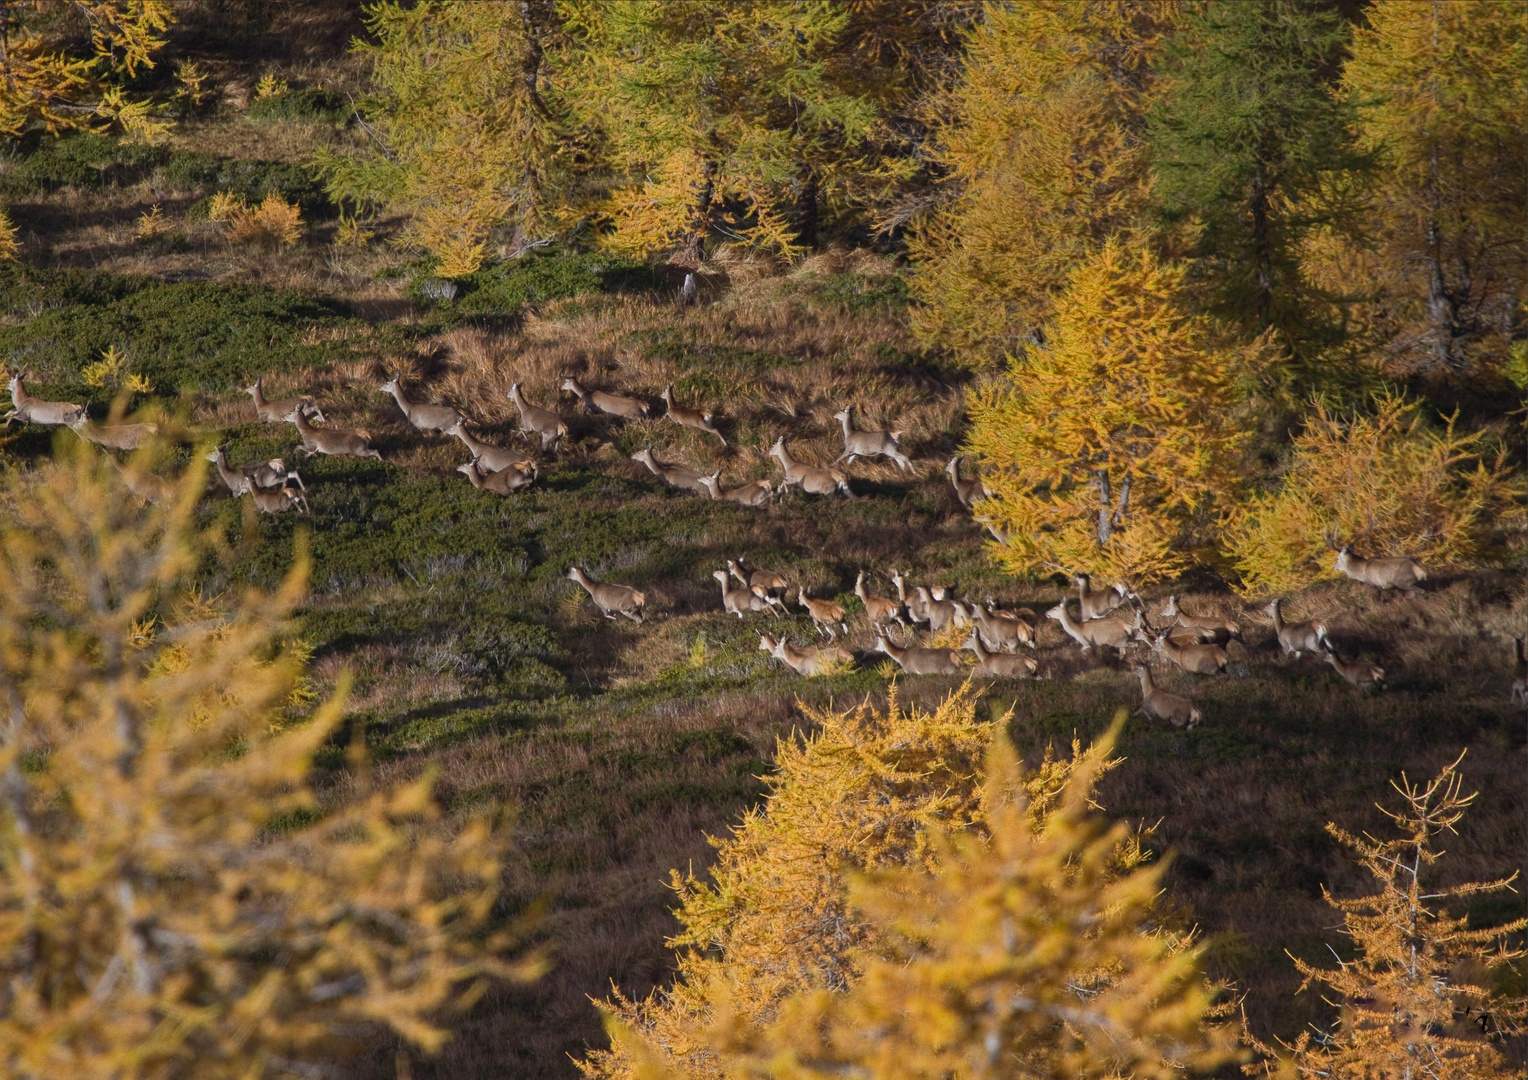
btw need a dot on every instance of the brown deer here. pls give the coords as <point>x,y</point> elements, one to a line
<point>534,420</point>
<point>281,410</point>
<point>690,418</point>
<point>336,442</point>
<point>805,662</point>
<point>1000,665</point>
<point>504,482</point>
<point>1365,676</point>
<point>1159,705</point>
<point>967,491</point>
<point>919,661</point>
<point>30,410</point>
<point>426,418</point>
<point>825,613</point>
<point>1296,638</point>
<point>627,408</point>
<point>869,444</point>
<point>612,600</point>
<point>1200,658</point>
<point>1383,574</point>
<point>753,493</point>
<point>1115,630</point>
<point>809,478</point>
<point>879,611</point>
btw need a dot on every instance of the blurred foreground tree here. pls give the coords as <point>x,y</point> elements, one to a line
<point>173,901</point>
<point>463,138</point>
<point>1442,96</point>
<point>1418,998</point>
<point>63,63</point>
<point>1115,448</point>
<point>1252,151</point>
<point>1041,147</point>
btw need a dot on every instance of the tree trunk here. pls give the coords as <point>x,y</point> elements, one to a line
<point>807,210</point>
<point>692,251</point>
<point>1262,261</point>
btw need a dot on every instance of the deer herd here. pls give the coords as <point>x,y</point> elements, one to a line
<point>1114,618</point>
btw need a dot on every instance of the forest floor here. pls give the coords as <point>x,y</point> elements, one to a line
<point>621,749</point>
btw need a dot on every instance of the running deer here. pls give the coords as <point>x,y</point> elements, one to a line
<point>1222,630</point>
<point>740,601</point>
<point>145,486</point>
<point>1396,573</point>
<point>690,418</point>
<point>488,457</point>
<point>534,420</point>
<point>1520,674</point>
<point>1095,605</point>
<point>337,442</point>
<point>825,614</point>
<point>679,476</point>
<point>869,444</point>
<point>809,478</point>
<point>805,662</point>
<point>914,606</point>
<point>1199,657</point>
<point>1296,638</point>
<point>916,660</point>
<point>967,491</point>
<point>627,408</point>
<point>879,611</point>
<point>1001,630</point>
<point>277,501</point>
<point>771,584</point>
<point>271,475</point>
<point>1113,630</point>
<point>1161,706</point>
<point>504,482</point>
<point>754,493</point>
<point>1365,676</point>
<point>1000,665</point>
<point>280,411</point>
<point>939,613</point>
<point>423,417</point>
<point>30,410</point>
<point>612,600</point>
<point>113,436</point>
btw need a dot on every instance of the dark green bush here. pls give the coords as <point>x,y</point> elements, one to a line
<point>860,293</point>
<point>321,106</point>
<point>503,289</point>
<point>81,160</point>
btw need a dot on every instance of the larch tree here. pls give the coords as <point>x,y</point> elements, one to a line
<point>704,113</point>
<point>1417,999</point>
<point>175,900</point>
<point>63,65</point>
<point>463,136</point>
<point>1115,448</point>
<point>1441,91</point>
<point>1041,155</point>
<point>1252,153</point>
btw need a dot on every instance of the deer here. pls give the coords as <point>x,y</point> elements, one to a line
<point>740,601</point>
<point>1096,605</point>
<point>967,491</point>
<point>809,478</point>
<point>1001,631</point>
<point>916,611</point>
<point>690,418</point>
<point>504,482</point>
<point>1520,674</point>
<point>1199,657</point>
<point>612,600</point>
<point>869,444</point>
<point>1295,638</point>
<point>805,662</point>
<point>627,408</point>
<point>426,418</point>
<point>488,457</point>
<point>825,613</point>
<point>879,611</point>
<point>772,584</point>
<point>112,436</point>
<point>1395,573</point>
<point>337,442</point>
<point>145,486</point>
<point>271,475</point>
<point>534,420</point>
<point>1114,630</point>
<point>1159,705</point>
<point>279,500</point>
<point>1222,630</point>
<point>753,493</point>
<point>277,412</point>
<point>30,410</point>
<point>999,665</point>
<point>1365,676</point>
<point>920,661</point>
<point>679,476</point>
<point>939,613</point>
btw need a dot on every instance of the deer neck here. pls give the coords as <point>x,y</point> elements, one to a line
<point>848,427</point>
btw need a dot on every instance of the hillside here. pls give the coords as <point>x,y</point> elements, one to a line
<point>620,749</point>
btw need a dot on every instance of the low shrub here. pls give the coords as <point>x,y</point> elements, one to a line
<point>504,288</point>
<point>273,223</point>
<point>313,104</point>
<point>1388,479</point>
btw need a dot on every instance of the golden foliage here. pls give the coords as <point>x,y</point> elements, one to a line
<point>1387,479</point>
<point>1107,448</point>
<point>10,247</point>
<point>274,223</point>
<point>1041,141</point>
<point>270,85</point>
<point>1415,996</point>
<point>351,233</point>
<point>111,373</point>
<point>151,224</point>
<point>174,900</point>
<point>48,76</point>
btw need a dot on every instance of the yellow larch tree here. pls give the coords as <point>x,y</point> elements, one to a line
<point>1115,447</point>
<point>1417,999</point>
<point>175,900</point>
<point>1041,149</point>
<point>62,63</point>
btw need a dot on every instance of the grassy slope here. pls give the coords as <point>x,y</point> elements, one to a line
<point>620,748</point>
